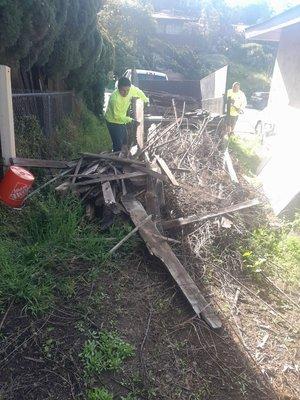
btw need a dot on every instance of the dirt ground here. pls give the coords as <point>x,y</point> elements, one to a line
<point>176,355</point>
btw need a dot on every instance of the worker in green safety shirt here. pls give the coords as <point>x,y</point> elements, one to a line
<point>236,103</point>
<point>116,113</point>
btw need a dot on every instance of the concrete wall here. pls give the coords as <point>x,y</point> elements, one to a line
<point>280,177</point>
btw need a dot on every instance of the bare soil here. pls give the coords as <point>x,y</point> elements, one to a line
<point>177,356</point>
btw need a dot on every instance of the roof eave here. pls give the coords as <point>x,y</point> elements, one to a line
<point>271,30</point>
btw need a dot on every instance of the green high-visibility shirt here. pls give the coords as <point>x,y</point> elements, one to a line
<point>118,105</point>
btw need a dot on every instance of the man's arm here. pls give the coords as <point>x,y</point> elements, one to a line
<point>136,92</point>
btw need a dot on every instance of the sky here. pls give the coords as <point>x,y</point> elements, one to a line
<point>277,5</point>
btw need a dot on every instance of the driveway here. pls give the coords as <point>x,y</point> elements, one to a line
<point>247,121</point>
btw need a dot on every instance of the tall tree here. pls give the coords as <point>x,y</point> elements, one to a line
<point>62,36</point>
<point>131,29</point>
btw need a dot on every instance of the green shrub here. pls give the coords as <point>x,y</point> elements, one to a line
<point>105,351</point>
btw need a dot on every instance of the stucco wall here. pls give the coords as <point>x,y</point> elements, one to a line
<point>285,88</point>
<point>280,177</point>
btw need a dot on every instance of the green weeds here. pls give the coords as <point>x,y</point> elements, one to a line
<point>99,394</point>
<point>245,152</point>
<point>275,252</point>
<point>105,351</point>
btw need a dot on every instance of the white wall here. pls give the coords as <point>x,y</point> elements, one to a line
<point>281,176</point>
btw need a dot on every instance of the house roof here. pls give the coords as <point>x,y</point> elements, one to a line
<point>166,16</point>
<point>270,30</point>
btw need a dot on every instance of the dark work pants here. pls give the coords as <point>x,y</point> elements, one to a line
<point>118,134</point>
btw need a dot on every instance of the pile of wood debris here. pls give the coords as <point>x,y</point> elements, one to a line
<point>180,177</point>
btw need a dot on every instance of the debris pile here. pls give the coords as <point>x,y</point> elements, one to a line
<point>177,179</point>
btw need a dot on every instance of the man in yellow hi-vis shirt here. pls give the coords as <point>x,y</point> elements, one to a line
<point>236,103</point>
<point>116,113</point>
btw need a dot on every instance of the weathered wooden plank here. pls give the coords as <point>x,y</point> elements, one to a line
<point>230,168</point>
<point>107,178</point>
<point>77,170</point>
<point>31,162</point>
<point>63,188</point>
<point>166,169</point>
<point>118,160</point>
<point>154,194</point>
<point>175,223</point>
<point>163,251</point>
<point>152,201</point>
<point>152,173</point>
<point>138,106</point>
<point>159,136</point>
<point>108,195</point>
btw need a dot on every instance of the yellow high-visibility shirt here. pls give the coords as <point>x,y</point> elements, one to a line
<point>239,101</point>
<point>118,105</point>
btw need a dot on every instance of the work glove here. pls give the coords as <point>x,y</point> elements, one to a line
<point>135,123</point>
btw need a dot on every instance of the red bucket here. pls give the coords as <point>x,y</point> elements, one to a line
<point>15,185</point>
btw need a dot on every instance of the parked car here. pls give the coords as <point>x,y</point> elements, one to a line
<point>266,123</point>
<point>259,100</point>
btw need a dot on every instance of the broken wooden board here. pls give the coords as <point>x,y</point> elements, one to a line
<point>63,188</point>
<point>159,136</point>
<point>152,201</point>
<point>167,171</point>
<point>151,173</point>
<point>176,223</point>
<point>163,251</point>
<point>108,194</point>
<point>107,178</point>
<point>229,165</point>
<point>118,160</point>
<point>154,194</point>
<point>77,170</point>
<point>138,110</point>
<point>32,162</point>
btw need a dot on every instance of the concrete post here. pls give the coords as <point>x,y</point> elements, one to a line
<point>7,132</point>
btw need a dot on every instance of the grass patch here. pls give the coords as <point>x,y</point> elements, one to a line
<point>245,150</point>
<point>275,252</point>
<point>105,351</point>
<point>38,243</point>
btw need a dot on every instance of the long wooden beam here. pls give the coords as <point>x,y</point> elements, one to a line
<point>176,223</point>
<point>107,178</point>
<point>161,249</point>
<point>108,157</point>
